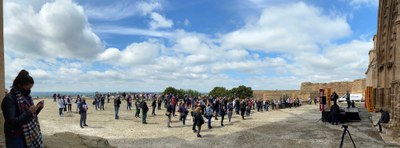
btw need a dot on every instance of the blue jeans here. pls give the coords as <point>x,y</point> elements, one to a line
<point>116,111</point>
<point>15,141</point>
<point>209,121</point>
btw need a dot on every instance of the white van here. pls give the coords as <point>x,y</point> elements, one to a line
<point>355,97</point>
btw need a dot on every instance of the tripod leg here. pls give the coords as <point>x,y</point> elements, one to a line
<point>341,142</point>
<point>351,138</point>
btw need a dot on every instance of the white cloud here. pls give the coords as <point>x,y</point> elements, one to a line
<point>288,28</point>
<point>159,21</point>
<point>358,3</point>
<point>122,9</point>
<point>186,22</point>
<point>136,53</point>
<point>59,29</point>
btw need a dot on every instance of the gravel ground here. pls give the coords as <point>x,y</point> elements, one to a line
<point>296,127</point>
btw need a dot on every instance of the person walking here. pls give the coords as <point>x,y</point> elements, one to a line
<point>21,125</point>
<point>117,103</point>
<point>199,121</point>
<point>209,113</point>
<point>145,109</point>
<point>83,107</point>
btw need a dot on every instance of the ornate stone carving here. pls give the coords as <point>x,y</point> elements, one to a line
<point>395,107</point>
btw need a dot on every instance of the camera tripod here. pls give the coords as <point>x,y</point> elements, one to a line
<point>344,133</point>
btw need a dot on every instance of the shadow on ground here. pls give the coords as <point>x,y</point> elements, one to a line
<point>298,131</point>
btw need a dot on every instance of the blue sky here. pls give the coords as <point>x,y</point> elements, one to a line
<point>126,45</point>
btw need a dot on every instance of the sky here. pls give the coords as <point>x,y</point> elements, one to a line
<point>148,45</point>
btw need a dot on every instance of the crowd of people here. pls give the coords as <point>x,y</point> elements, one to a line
<point>199,108</point>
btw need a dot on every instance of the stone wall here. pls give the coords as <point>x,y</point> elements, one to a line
<point>308,89</point>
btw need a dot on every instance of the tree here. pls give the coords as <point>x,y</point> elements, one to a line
<point>242,92</point>
<point>169,90</point>
<point>219,92</point>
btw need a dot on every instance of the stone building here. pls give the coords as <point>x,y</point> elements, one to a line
<point>308,89</point>
<point>387,60</point>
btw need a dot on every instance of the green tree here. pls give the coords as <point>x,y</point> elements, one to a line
<point>242,92</point>
<point>218,92</point>
<point>169,90</point>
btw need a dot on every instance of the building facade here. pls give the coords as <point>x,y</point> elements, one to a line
<point>386,67</point>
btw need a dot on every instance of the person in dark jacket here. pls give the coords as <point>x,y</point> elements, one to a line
<point>117,103</point>
<point>335,113</point>
<point>242,108</point>
<point>137,106</point>
<point>169,113</point>
<point>154,105</point>
<point>145,109</point>
<point>222,112</point>
<point>385,118</point>
<point>199,120</point>
<point>21,126</point>
<point>183,110</point>
<point>83,107</point>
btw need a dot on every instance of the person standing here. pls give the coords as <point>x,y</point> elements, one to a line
<point>159,102</point>
<point>69,103</point>
<point>183,110</point>
<point>348,99</point>
<point>168,114</point>
<point>64,103</point>
<point>209,113</point>
<point>77,101</point>
<point>199,121</point>
<point>242,108</point>
<point>54,97</point>
<point>60,104</point>
<point>117,103</point>
<point>335,113</point>
<point>83,107</point>
<point>145,109</point>
<point>222,112</point>
<point>129,103</point>
<point>21,126</point>
<point>230,111</point>
<point>137,105</point>
<point>154,105</point>
<point>102,101</point>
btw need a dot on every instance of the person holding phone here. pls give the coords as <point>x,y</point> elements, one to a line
<point>21,125</point>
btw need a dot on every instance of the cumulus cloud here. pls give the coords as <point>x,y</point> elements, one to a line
<point>59,29</point>
<point>136,53</point>
<point>159,21</point>
<point>290,27</point>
